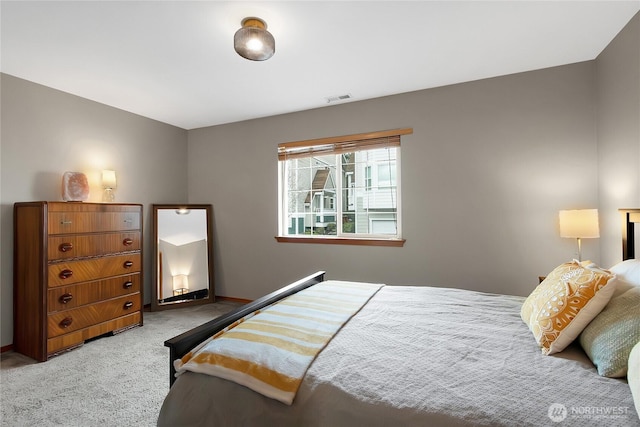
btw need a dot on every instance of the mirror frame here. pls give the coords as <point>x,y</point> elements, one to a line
<point>155,305</point>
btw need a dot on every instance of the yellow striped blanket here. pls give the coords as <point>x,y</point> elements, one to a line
<point>269,351</point>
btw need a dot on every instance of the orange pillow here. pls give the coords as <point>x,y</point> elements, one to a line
<point>565,302</point>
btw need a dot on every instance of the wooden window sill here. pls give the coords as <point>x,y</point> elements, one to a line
<point>330,240</point>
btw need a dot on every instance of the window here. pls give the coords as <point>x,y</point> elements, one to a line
<point>341,189</point>
<point>386,174</point>
<point>367,177</point>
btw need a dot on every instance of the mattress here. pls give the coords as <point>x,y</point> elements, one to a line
<point>422,356</point>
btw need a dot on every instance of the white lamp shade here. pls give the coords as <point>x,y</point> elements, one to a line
<point>579,223</point>
<point>108,179</point>
<point>181,281</point>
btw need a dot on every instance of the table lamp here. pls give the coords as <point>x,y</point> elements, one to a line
<point>108,184</point>
<point>579,224</point>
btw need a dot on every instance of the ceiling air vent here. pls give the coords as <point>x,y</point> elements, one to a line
<point>338,98</point>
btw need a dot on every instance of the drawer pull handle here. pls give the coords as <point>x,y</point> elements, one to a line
<point>66,222</point>
<point>127,220</point>
<point>65,274</point>
<point>127,242</point>
<point>66,322</point>
<point>65,247</point>
<point>65,298</point>
<point>127,285</point>
<point>128,264</point>
<point>127,305</point>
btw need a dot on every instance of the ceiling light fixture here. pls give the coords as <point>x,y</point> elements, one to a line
<point>253,41</point>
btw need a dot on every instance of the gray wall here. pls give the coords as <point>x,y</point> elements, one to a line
<point>46,132</point>
<point>484,174</point>
<point>488,167</point>
<point>618,73</point>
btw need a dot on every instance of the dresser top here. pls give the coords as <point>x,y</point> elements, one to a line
<point>82,206</point>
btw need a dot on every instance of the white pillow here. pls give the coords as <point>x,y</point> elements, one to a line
<point>633,376</point>
<point>628,273</point>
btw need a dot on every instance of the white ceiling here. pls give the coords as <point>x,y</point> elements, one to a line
<point>173,61</point>
<point>181,229</point>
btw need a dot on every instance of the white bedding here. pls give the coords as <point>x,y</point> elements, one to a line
<point>422,356</point>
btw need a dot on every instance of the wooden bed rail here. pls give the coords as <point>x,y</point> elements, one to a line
<point>183,343</point>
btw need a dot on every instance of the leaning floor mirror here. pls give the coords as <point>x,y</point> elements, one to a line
<point>183,256</point>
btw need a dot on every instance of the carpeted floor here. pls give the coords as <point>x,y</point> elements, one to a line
<point>118,380</point>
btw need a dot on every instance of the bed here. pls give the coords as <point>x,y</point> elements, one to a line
<point>413,356</point>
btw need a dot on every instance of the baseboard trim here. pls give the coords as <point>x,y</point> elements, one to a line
<point>232,299</point>
<point>6,348</point>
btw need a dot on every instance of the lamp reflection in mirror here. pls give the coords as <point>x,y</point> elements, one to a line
<point>579,224</point>
<point>108,185</point>
<point>180,284</point>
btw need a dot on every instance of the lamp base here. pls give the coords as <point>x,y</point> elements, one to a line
<point>579,249</point>
<point>108,195</point>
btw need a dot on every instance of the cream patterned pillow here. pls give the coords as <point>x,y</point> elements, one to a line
<point>565,302</point>
<point>609,338</point>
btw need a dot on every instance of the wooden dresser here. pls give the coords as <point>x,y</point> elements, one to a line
<point>77,274</point>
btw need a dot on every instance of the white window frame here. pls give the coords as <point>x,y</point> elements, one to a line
<point>341,237</point>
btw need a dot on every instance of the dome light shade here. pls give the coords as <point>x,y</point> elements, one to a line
<point>253,41</point>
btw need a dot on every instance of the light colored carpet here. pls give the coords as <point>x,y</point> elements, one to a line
<point>118,380</point>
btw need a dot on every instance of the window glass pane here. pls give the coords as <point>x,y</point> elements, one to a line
<point>363,198</point>
<point>349,222</point>
<point>311,195</point>
<point>364,204</point>
<point>386,174</point>
<point>384,226</point>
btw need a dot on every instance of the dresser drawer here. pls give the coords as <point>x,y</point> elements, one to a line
<point>88,245</point>
<point>67,321</point>
<point>67,297</point>
<point>73,339</point>
<point>92,222</point>
<point>70,272</point>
